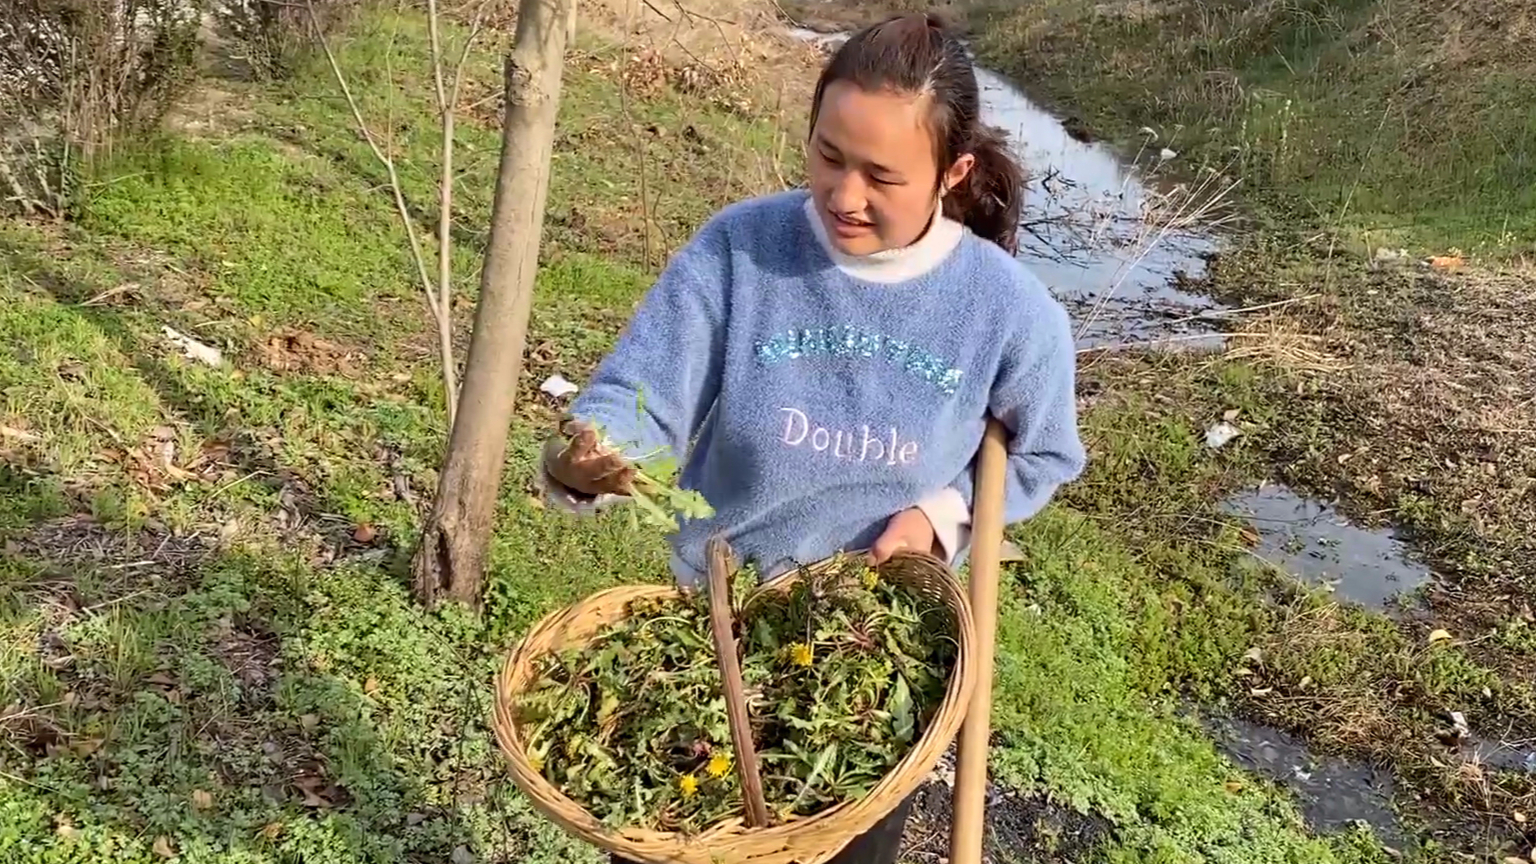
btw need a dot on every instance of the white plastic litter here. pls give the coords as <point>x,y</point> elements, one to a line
<point>558,387</point>
<point>1220,435</point>
<point>193,349</point>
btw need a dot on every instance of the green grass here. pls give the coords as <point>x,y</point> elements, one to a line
<point>248,681</point>
<point>1073,712</point>
<point>300,245</point>
<point>1393,121</point>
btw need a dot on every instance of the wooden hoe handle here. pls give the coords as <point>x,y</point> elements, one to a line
<point>965,840</point>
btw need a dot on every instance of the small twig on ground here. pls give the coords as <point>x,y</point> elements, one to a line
<point>1227,313</point>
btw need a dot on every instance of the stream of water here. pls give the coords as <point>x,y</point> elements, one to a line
<point>1098,233</point>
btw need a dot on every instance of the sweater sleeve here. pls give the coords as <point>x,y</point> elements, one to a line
<point>651,393</point>
<point>1034,397</point>
<point>950,516</point>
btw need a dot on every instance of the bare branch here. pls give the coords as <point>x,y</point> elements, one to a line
<point>663,15</point>
<point>444,311</point>
<point>690,15</point>
<point>640,154</point>
<point>437,298</point>
<point>475,28</point>
<point>384,159</point>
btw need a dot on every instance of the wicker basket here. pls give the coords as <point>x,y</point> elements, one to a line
<point>802,840</point>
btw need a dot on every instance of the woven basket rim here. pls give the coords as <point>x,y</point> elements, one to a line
<point>834,826</point>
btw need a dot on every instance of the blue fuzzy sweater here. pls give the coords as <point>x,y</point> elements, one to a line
<point>809,405</point>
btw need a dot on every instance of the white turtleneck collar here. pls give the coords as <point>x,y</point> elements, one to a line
<point>892,265</point>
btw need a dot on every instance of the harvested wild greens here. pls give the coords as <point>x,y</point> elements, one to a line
<point>658,498</point>
<point>842,673</point>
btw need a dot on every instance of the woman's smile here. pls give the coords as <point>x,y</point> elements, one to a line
<point>849,226</point>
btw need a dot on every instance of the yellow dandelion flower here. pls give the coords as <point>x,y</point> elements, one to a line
<point>688,785</point>
<point>870,578</point>
<point>537,764</point>
<point>719,765</point>
<point>800,654</point>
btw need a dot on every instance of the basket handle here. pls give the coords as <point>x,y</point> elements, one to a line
<point>720,620</point>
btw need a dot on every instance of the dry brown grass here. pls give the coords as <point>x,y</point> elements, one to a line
<point>1276,343</point>
<point>729,41</point>
<point>1431,425</point>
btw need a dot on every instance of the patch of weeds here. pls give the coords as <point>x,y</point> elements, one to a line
<point>279,237</point>
<point>1346,679</point>
<point>261,713</point>
<point>1073,717</point>
<point>1356,683</point>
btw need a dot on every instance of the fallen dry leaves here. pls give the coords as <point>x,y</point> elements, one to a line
<point>158,464</point>
<point>293,350</point>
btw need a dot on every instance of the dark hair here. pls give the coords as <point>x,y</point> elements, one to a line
<point>918,54</point>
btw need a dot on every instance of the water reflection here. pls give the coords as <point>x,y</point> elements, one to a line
<point>1312,542</point>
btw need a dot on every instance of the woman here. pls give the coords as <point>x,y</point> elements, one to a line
<point>825,359</point>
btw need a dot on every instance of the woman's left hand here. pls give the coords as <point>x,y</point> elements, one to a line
<point>909,531</point>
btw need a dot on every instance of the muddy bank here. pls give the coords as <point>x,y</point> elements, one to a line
<point>1019,826</point>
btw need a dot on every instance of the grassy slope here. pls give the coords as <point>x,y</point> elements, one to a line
<point>248,680</point>
<point>1399,121</point>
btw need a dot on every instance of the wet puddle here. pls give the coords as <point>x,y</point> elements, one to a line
<point>1111,241</point>
<point>1312,542</point>
<point>1333,793</point>
<point>1514,756</point>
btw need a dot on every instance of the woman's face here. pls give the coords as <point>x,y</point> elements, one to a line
<point>872,171</point>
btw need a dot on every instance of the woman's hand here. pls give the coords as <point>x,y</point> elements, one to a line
<point>908,531</point>
<point>578,460</point>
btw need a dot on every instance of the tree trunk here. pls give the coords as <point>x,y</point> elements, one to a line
<point>451,558</point>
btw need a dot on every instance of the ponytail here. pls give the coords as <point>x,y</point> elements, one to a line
<point>917,54</point>
<point>990,198</point>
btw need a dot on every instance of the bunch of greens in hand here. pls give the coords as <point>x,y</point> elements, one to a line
<point>843,673</point>
<point>660,501</point>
